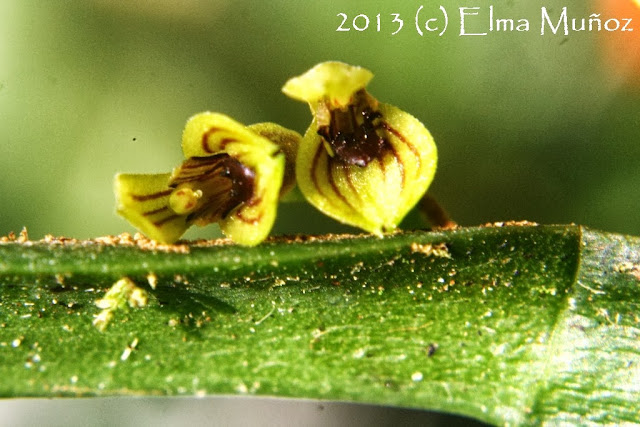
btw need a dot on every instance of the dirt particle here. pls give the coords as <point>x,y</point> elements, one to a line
<point>431,349</point>
<point>180,279</point>
<point>152,279</point>
<point>439,250</point>
<point>24,236</point>
<point>11,237</point>
<point>129,349</point>
<point>122,294</point>
<point>628,267</point>
<point>624,267</point>
<point>359,353</point>
<point>523,223</point>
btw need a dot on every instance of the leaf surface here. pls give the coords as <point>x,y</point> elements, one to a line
<point>514,324</point>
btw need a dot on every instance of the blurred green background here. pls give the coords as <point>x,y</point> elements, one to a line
<point>527,126</point>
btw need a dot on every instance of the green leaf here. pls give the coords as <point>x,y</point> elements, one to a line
<point>514,324</point>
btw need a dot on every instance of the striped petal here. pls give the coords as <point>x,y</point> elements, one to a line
<point>288,141</point>
<point>144,201</point>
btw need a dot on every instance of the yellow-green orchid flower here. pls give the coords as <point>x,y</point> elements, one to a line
<point>232,175</point>
<point>361,162</point>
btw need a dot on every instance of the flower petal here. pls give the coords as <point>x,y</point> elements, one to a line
<point>288,141</point>
<point>144,201</point>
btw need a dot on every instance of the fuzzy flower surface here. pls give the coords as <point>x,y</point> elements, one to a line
<point>361,162</point>
<point>233,175</point>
